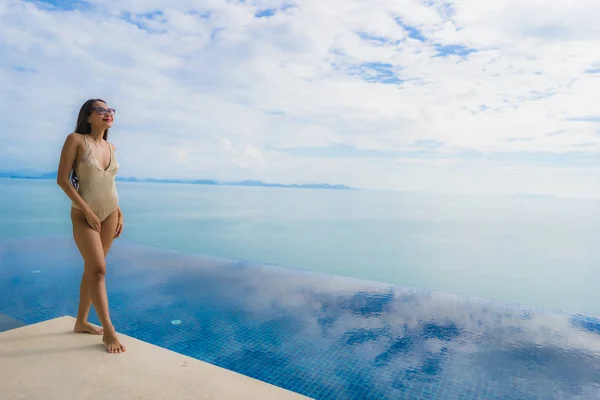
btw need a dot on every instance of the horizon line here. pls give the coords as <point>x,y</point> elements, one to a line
<point>38,175</point>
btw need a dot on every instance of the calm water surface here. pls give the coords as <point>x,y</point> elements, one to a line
<point>534,251</point>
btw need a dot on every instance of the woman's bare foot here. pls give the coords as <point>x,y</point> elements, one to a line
<point>86,327</point>
<point>111,342</point>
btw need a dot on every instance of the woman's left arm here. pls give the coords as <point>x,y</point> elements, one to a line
<point>119,223</point>
<point>120,213</point>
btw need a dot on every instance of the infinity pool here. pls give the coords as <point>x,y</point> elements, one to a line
<point>323,336</point>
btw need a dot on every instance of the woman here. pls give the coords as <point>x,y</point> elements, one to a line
<point>86,173</point>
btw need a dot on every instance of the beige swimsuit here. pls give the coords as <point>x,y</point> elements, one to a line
<point>97,186</point>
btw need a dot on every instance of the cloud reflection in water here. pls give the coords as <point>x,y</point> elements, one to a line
<point>323,336</point>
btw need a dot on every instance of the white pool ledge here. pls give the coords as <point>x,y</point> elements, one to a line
<point>49,361</point>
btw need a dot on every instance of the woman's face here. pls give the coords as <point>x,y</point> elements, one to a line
<point>101,116</point>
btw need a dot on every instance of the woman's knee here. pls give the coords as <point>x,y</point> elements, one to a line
<point>96,268</point>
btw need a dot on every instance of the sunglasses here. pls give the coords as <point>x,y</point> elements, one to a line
<point>102,110</point>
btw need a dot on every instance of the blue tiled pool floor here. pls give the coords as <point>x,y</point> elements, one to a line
<point>8,323</point>
<point>323,336</point>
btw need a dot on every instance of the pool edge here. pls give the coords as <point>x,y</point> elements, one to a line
<point>63,364</point>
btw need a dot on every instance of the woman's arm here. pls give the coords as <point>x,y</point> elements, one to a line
<point>120,219</point>
<point>67,159</point>
<point>119,229</point>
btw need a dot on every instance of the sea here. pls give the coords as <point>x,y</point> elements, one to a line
<point>534,251</point>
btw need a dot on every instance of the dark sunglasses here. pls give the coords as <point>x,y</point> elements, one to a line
<point>102,110</point>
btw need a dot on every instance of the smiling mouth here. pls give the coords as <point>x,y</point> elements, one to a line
<point>108,119</point>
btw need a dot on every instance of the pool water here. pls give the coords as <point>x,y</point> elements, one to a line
<point>323,336</point>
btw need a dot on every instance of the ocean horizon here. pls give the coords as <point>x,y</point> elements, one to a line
<point>38,175</point>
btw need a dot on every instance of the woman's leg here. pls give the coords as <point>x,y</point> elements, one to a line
<point>85,298</point>
<point>91,246</point>
<point>85,303</point>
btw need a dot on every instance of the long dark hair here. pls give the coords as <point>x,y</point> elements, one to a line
<point>85,128</point>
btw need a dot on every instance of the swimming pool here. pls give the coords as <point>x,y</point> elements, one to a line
<point>326,337</point>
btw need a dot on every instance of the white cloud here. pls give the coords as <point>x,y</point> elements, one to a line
<point>245,157</point>
<point>203,73</point>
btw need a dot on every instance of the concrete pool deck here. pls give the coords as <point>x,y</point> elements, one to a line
<point>49,361</point>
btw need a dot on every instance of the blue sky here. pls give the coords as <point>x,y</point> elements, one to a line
<point>390,94</point>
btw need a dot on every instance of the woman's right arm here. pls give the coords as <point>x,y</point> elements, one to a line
<point>67,159</point>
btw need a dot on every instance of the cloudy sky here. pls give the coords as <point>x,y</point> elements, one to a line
<point>462,96</point>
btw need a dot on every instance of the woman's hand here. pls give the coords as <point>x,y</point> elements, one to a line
<point>93,220</point>
<point>119,225</point>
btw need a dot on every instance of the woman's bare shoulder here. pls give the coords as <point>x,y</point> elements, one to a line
<point>74,136</point>
<point>74,140</point>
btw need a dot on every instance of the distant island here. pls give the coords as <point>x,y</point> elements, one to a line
<point>27,174</point>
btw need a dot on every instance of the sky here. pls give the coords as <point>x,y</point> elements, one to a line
<point>453,97</point>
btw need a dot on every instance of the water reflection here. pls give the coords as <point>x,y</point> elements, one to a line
<point>322,336</point>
